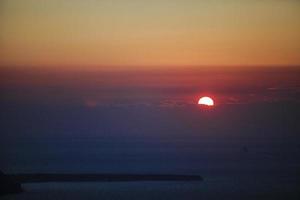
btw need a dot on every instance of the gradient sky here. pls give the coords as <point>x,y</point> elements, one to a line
<point>135,33</point>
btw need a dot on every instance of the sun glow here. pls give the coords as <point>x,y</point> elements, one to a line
<point>207,101</point>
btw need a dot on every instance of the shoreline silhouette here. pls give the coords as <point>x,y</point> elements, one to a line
<point>59,177</point>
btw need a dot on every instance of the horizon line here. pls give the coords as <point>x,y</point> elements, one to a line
<point>145,68</point>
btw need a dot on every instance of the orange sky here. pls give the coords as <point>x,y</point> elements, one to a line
<point>128,34</point>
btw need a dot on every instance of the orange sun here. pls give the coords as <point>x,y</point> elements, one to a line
<point>207,101</point>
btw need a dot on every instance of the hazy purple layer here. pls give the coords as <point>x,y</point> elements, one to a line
<point>159,88</point>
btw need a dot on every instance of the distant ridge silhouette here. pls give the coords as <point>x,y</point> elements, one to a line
<point>47,177</point>
<point>8,185</point>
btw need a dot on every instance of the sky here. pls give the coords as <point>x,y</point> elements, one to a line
<point>158,88</point>
<point>129,34</point>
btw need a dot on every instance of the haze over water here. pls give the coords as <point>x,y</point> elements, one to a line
<point>139,118</point>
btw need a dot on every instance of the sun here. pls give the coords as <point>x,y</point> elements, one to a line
<point>207,101</point>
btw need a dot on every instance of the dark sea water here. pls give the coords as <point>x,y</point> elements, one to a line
<point>241,151</point>
<point>148,139</point>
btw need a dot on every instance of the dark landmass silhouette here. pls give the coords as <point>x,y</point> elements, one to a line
<point>8,185</point>
<point>47,177</point>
